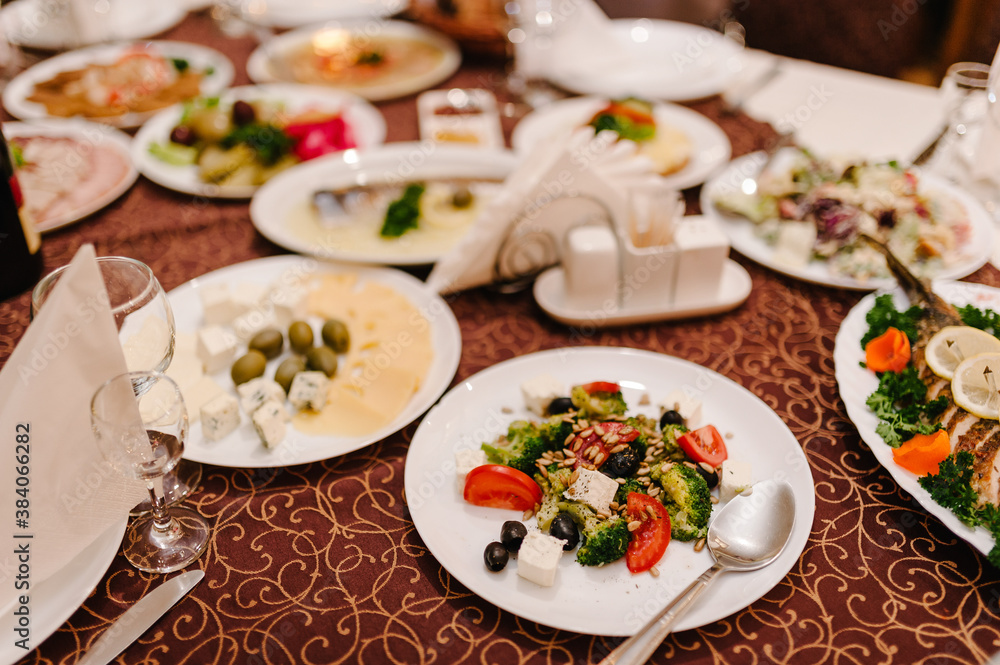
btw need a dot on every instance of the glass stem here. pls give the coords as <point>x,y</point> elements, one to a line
<point>161,520</point>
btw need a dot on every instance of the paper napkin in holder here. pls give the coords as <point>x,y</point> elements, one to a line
<point>74,496</point>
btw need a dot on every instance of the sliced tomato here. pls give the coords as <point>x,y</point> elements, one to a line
<point>499,486</point>
<point>650,540</point>
<point>704,444</point>
<point>601,387</point>
<point>626,434</point>
<point>630,112</point>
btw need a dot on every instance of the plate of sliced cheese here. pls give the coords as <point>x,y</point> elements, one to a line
<point>288,360</point>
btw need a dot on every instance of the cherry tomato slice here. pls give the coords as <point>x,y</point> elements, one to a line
<point>601,387</point>
<point>650,540</point>
<point>704,444</point>
<point>626,434</point>
<point>499,486</point>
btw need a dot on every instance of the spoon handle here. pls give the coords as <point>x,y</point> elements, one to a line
<point>637,649</point>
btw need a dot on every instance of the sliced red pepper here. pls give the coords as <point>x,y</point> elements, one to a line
<point>499,486</point>
<point>704,444</point>
<point>650,540</point>
<point>601,387</point>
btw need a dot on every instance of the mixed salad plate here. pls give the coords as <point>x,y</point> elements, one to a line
<point>605,600</point>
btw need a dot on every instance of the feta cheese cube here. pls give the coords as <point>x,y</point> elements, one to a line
<point>217,307</point>
<point>185,369</point>
<point>539,392</point>
<point>269,423</point>
<point>466,460</point>
<point>538,558</point>
<point>592,488</point>
<point>185,343</point>
<point>216,348</point>
<point>734,479</point>
<point>684,404</point>
<point>247,297</point>
<point>219,417</point>
<point>252,322</point>
<point>198,394</point>
<point>289,303</point>
<point>256,392</point>
<point>308,390</point>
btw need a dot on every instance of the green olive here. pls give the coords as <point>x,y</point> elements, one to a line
<point>248,367</point>
<point>322,359</point>
<point>300,336</point>
<point>336,336</point>
<point>269,342</point>
<point>287,370</point>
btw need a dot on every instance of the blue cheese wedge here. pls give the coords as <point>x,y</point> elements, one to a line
<point>308,390</point>
<point>592,488</point>
<point>539,392</point>
<point>216,348</point>
<point>734,479</point>
<point>220,417</point>
<point>465,461</point>
<point>538,558</point>
<point>269,422</point>
<point>257,391</point>
<point>689,407</point>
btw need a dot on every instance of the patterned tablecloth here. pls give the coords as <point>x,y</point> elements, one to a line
<point>321,564</point>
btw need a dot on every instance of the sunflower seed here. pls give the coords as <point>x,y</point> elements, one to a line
<point>700,545</point>
<point>632,526</point>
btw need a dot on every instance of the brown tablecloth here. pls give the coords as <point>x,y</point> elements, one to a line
<point>321,564</point>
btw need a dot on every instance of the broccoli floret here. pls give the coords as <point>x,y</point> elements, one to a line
<point>631,485</point>
<point>671,451</point>
<point>519,449</point>
<point>598,405</point>
<point>553,486</point>
<point>555,432</point>
<point>602,541</point>
<point>688,500</point>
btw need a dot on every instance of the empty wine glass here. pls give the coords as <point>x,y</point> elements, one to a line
<point>145,323</point>
<point>140,422</point>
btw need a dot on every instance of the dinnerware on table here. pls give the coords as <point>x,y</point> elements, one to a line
<point>133,623</point>
<point>140,423</point>
<point>146,330</point>
<point>748,534</point>
<point>531,27</point>
<point>21,246</point>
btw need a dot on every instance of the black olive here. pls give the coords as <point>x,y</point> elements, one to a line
<point>564,528</point>
<point>243,113</point>
<point>512,534</point>
<point>711,477</point>
<point>495,556</point>
<point>671,417</point>
<point>560,405</point>
<point>622,464</point>
<point>183,135</point>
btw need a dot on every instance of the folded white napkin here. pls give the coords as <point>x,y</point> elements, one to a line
<point>563,182</point>
<point>72,495</point>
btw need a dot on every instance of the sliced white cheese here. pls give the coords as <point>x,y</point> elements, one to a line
<point>185,369</point>
<point>734,478</point>
<point>216,348</point>
<point>219,417</point>
<point>269,422</point>
<point>538,558</point>
<point>465,461</point>
<point>289,302</point>
<point>217,305</point>
<point>539,392</point>
<point>247,297</point>
<point>592,488</point>
<point>689,407</point>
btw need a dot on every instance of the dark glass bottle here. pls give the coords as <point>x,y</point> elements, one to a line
<point>20,243</point>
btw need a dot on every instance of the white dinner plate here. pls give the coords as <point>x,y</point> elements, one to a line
<point>243,448</point>
<point>15,95</point>
<point>710,147</point>
<point>266,63</point>
<point>856,383</point>
<point>291,192</point>
<point>668,60</point>
<point>744,239</point>
<point>608,600</point>
<point>55,599</point>
<point>88,138</point>
<point>365,121</point>
<point>41,24</point>
<point>297,13</point>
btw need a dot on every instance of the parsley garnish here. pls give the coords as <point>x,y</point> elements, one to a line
<point>899,404</point>
<point>180,64</point>
<point>884,315</point>
<point>987,320</point>
<point>268,141</point>
<point>624,127</point>
<point>402,214</point>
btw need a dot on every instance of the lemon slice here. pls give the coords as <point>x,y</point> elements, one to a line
<point>975,385</point>
<point>953,344</point>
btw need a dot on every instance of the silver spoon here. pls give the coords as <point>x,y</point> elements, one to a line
<point>749,533</point>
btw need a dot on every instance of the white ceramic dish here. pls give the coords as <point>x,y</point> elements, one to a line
<point>741,231</point>
<point>15,95</point>
<point>608,600</point>
<point>856,383</point>
<point>366,122</point>
<point>265,64</point>
<point>550,294</point>
<point>297,13</point>
<point>43,25</point>
<point>88,137</point>
<point>242,448</point>
<point>670,60</point>
<point>292,190</point>
<point>710,147</point>
<point>54,600</point>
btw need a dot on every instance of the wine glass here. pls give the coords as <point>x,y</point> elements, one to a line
<point>145,324</point>
<point>140,422</point>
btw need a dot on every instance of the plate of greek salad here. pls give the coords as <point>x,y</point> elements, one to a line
<point>803,216</point>
<point>574,487</point>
